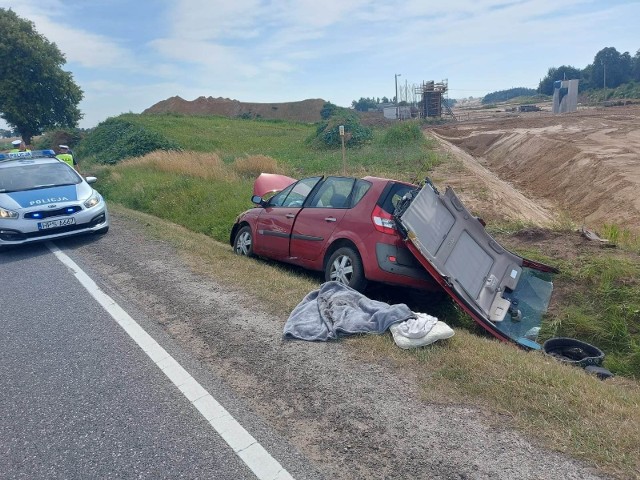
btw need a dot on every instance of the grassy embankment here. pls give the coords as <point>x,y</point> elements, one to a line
<point>562,406</point>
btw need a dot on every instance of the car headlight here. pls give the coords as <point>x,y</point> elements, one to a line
<point>93,200</point>
<point>4,213</point>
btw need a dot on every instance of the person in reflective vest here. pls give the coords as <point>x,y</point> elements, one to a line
<point>66,156</point>
<point>18,146</point>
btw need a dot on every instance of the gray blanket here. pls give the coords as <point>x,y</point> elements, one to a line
<point>335,309</point>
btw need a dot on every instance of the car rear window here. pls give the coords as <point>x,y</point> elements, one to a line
<point>392,194</point>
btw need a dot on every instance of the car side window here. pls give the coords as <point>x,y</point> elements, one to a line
<point>294,195</point>
<point>359,190</point>
<point>278,199</point>
<point>335,192</point>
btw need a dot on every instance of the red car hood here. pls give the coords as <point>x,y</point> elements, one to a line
<point>270,182</point>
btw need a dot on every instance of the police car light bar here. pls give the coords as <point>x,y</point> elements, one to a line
<point>33,154</point>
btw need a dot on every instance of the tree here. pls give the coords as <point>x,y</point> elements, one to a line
<point>364,104</point>
<point>635,68</point>
<point>610,68</point>
<point>564,72</point>
<point>35,93</point>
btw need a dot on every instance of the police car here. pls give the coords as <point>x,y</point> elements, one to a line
<point>43,198</point>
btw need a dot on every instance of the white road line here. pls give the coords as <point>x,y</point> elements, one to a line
<point>243,444</point>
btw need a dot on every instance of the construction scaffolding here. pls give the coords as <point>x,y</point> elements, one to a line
<point>431,99</point>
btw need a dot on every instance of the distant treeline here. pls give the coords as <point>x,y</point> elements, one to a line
<point>504,95</point>
<point>610,69</point>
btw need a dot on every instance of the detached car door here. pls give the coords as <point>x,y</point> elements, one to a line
<point>316,223</point>
<point>275,222</point>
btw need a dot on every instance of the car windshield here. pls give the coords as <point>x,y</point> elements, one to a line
<point>36,175</point>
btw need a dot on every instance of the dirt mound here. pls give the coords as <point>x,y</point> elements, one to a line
<point>374,119</point>
<point>303,111</point>
<point>585,164</point>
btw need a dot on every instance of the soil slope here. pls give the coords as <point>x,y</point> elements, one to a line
<point>584,164</point>
<point>303,111</point>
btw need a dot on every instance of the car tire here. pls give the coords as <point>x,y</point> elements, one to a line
<point>243,243</point>
<point>345,266</point>
<point>102,231</point>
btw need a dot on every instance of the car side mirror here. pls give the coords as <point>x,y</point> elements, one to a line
<point>257,199</point>
<point>91,179</point>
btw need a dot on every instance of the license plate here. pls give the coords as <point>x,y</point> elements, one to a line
<point>63,222</point>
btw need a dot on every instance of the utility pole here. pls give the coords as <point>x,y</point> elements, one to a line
<point>604,79</point>
<point>397,108</point>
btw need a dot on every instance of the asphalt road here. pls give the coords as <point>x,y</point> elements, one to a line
<point>80,399</point>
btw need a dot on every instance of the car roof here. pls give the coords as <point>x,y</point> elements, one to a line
<point>27,161</point>
<point>384,180</point>
<point>36,156</point>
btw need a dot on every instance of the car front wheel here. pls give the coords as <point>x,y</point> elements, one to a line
<point>345,266</point>
<point>244,242</point>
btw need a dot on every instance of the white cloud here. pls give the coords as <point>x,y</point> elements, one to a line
<point>78,45</point>
<point>87,49</point>
<point>280,50</point>
<point>211,20</point>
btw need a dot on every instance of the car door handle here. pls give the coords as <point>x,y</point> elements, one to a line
<point>290,215</point>
<point>330,219</point>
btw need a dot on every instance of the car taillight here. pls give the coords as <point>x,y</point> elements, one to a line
<point>383,221</point>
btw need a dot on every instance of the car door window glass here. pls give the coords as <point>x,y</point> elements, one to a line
<point>278,199</point>
<point>299,192</point>
<point>334,193</point>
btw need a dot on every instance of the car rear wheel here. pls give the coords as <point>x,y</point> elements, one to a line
<point>345,266</point>
<point>244,242</point>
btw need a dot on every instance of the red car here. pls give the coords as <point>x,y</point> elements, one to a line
<point>343,226</point>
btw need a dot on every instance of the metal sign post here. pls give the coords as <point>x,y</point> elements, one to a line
<point>344,160</point>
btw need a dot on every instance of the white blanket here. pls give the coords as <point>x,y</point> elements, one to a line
<point>336,309</point>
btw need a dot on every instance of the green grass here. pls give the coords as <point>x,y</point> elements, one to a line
<point>621,236</point>
<point>602,309</point>
<point>287,142</point>
<point>201,205</point>
<point>210,206</point>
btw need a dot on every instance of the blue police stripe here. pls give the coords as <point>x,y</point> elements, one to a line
<point>44,196</point>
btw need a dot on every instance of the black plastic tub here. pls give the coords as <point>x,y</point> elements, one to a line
<point>573,352</point>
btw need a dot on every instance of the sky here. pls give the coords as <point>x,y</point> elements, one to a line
<point>127,55</point>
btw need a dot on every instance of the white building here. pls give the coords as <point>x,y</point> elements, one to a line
<point>400,113</point>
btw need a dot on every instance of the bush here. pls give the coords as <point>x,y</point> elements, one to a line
<point>402,133</point>
<point>53,138</point>
<point>116,139</point>
<point>328,132</point>
<point>328,110</point>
